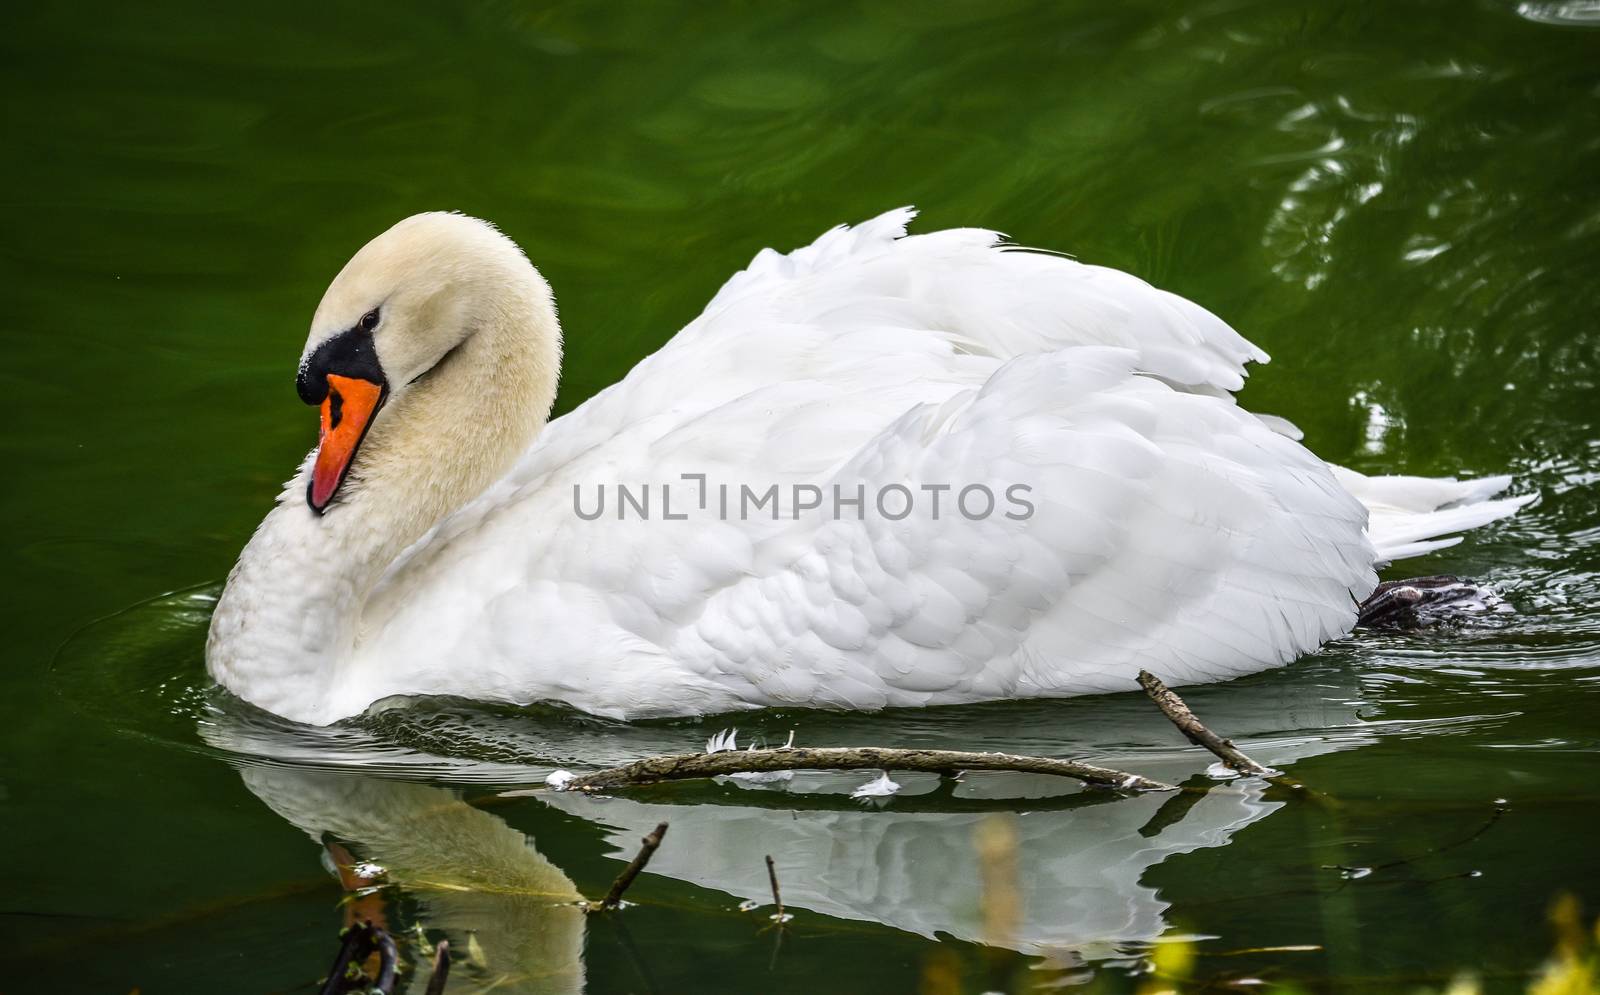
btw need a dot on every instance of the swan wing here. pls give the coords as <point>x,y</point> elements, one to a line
<point>1161,530</point>
<point>866,304</point>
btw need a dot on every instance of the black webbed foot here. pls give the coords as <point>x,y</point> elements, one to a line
<point>1420,602</point>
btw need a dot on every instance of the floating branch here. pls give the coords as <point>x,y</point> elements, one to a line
<point>1231,756</point>
<point>613,897</point>
<point>1194,730</point>
<point>686,766</point>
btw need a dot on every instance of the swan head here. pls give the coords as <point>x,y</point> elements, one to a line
<point>401,309</point>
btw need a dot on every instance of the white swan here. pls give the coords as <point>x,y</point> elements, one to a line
<point>438,542</point>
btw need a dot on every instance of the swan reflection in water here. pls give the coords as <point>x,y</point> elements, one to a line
<point>1081,857</point>
<point>482,883</point>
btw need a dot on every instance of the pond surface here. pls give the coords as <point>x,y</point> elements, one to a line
<point>1401,202</point>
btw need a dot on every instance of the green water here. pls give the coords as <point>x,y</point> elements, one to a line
<point>1401,202</point>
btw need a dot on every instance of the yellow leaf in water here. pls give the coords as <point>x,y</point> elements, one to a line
<point>1173,959</point>
<point>475,951</point>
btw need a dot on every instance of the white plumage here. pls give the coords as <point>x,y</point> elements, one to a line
<point>1169,529</point>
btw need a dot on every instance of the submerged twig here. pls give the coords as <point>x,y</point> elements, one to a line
<point>441,969</point>
<point>684,766</point>
<point>341,962</point>
<point>1353,871</point>
<point>777,899</point>
<point>388,960</point>
<point>613,897</point>
<point>359,943</point>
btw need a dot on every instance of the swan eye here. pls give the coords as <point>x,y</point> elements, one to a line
<point>369,321</point>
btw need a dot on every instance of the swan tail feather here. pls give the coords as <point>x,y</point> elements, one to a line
<point>1411,516</point>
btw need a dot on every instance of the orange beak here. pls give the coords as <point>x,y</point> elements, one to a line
<point>347,413</point>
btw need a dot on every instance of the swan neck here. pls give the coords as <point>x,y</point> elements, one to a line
<point>286,634</point>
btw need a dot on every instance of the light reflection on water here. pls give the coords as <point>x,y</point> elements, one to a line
<point>1575,13</point>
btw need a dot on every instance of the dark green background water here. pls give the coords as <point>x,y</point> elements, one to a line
<point>1401,202</point>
